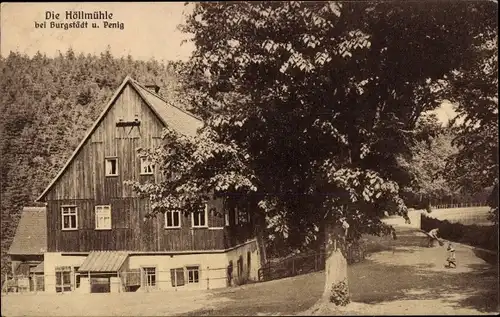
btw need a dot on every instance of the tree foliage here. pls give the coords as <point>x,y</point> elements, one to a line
<point>313,106</point>
<point>427,166</point>
<point>474,89</point>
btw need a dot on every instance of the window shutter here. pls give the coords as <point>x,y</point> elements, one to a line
<point>180,277</point>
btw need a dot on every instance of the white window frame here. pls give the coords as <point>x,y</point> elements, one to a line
<point>144,276</point>
<point>189,269</point>
<point>226,219</point>
<point>69,211</point>
<point>102,211</point>
<point>107,170</point>
<point>205,211</point>
<point>175,281</point>
<point>172,214</point>
<point>146,164</point>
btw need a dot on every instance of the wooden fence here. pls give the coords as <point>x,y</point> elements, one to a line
<point>303,264</point>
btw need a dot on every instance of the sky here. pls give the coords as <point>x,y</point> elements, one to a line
<point>149,31</point>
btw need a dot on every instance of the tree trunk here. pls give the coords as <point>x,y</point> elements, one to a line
<point>261,243</point>
<point>336,287</point>
<point>259,222</point>
<point>336,290</point>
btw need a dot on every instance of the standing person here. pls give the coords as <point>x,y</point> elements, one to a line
<point>451,259</point>
<point>230,273</point>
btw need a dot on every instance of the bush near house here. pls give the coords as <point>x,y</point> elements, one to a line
<point>479,236</point>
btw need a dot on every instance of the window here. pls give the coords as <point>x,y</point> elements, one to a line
<point>149,276</point>
<point>193,274</point>
<point>69,218</point>
<point>200,218</point>
<point>177,277</point>
<point>112,166</point>
<point>240,216</point>
<point>147,167</point>
<point>63,279</point>
<point>77,277</point>
<point>103,217</point>
<point>226,218</point>
<point>172,219</point>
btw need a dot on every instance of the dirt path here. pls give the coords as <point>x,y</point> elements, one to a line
<point>411,279</point>
<point>402,277</point>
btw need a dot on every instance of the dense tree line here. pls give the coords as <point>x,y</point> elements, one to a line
<point>47,105</point>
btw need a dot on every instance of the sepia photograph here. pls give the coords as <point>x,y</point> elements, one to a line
<point>240,158</point>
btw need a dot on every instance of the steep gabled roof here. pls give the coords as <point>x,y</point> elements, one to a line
<point>176,118</point>
<point>31,232</point>
<point>170,115</point>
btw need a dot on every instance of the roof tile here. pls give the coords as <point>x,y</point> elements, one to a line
<point>103,261</point>
<point>31,232</point>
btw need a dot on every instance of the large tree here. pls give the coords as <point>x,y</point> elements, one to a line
<point>473,88</point>
<point>309,108</point>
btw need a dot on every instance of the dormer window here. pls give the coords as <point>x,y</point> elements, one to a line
<point>112,166</point>
<point>147,167</point>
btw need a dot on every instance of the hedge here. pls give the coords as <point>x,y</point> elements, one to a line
<point>485,237</point>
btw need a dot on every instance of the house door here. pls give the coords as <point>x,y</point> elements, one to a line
<point>240,268</point>
<point>249,263</point>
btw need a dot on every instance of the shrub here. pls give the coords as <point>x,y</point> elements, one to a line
<point>479,236</point>
<point>339,294</point>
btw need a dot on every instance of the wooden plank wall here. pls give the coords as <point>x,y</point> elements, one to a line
<point>131,232</point>
<point>85,185</point>
<point>84,178</point>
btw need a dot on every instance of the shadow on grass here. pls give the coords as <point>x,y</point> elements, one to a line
<point>491,258</point>
<point>286,296</point>
<point>476,290</point>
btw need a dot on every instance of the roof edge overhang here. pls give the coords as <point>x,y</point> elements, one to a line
<point>178,253</point>
<point>24,254</point>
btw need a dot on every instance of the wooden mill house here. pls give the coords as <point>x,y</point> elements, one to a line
<point>97,239</point>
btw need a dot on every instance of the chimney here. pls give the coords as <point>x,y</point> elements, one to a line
<point>153,87</point>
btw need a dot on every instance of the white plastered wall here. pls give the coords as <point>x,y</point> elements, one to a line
<point>233,255</point>
<point>212,269</point>
<point>53,259</point>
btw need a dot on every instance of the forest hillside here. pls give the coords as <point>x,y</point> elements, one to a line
<point>47,105</point>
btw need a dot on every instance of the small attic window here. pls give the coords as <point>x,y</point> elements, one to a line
<point>112,166</point>
<point>128,123</point>
<point>147,167</point>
